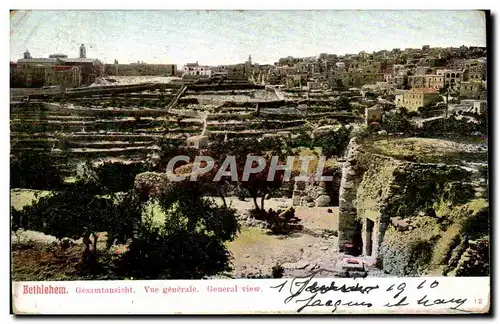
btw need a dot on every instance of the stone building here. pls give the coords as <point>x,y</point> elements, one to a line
<point>237,70</point>
<point>373,115</point>
<point>313,193</point>
<point>196,69</point>
<point>434,81</point>
<point>473,90</point>
<point>362,224</point>
<point>83,51</point>
<point>220,70</point>
<point>348,224</point>
<point>34,70</point>
<point>296,81</point>
<point>470,105</point>
<point>198,142</point>
<point>62,75</point>
<point>369,71</point>
<point>475,70</point>
<point>416,98</point>
<point>452,78</point>
<point>416,81</point>
<point>90,68</point>
<point>423,70</point>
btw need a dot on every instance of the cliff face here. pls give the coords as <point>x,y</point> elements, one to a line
<point>378,193</point>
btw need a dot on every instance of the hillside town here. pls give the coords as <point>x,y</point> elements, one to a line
<point>403,134</point>
<point>409,78</point>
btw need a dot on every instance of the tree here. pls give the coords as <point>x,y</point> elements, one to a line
<point>397,123</point>
<point>303,139</point>
<point>370,95</point>
<point>339,85</point>
<point>189,243</point>
<point>258,184</point>
<point>116,177</point>
<point>34,170</point>
<point>343,103</point>
<point>445,91</point>
<point>206,181</point>
<point>276,146</point>
<point>403,111</point>
<point>334,142</point>
<point>71,213</point>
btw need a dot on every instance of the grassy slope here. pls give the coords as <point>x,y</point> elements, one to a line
<point>426,150</point>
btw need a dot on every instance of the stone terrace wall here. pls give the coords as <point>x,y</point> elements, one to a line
<point>351,177</point>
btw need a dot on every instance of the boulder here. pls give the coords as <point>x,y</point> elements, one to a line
<point>352,265</point>
<point>301,265</point>
<point>322,201</point>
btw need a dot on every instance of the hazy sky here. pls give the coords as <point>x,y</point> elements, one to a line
<point>226,37</point>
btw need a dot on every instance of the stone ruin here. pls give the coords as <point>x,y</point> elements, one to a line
<point>313,193</point>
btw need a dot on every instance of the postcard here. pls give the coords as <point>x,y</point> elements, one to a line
<point>249,162</point>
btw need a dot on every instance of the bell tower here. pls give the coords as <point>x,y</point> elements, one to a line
<point>83,51</point>
<point>27,55</point>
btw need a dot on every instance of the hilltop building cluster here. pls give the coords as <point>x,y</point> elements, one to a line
<point>416,77</point>
<point>56,70</point>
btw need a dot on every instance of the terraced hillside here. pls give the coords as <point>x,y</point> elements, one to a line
<point>93,123</point>
<point>256,112</point>
<point>126,122</point>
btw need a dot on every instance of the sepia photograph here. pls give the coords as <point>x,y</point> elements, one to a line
<point>293,161</point>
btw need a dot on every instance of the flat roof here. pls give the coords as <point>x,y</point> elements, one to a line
<point>78,60</point>
<point>38,60</point>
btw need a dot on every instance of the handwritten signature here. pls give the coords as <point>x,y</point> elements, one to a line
<point>299,285</point>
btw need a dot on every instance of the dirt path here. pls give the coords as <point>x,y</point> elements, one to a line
<point>255,251</point>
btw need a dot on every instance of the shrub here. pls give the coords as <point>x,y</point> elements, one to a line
<point>34,170</point>
<point>114,177</point>
<point>397,123</point>
<point>108,177</point>
<point>334,142</point>
<point>277,271</point>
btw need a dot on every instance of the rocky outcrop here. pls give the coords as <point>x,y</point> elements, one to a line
<point>406,253</point>
<point>476,259</point>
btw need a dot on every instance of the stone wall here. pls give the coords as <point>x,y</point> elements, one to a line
<point>317,194</point>
<point>351,177</point>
